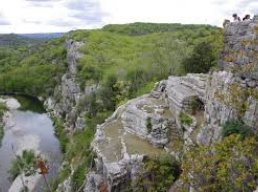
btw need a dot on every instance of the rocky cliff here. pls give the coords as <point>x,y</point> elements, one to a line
<point>180,112</point>
<point>67,97</point>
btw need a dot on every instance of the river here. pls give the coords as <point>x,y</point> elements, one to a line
<point>26,129</point>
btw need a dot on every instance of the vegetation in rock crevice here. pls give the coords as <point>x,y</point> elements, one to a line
<point>185,119</point>
<point>2,110</point>
<point>149,124</point>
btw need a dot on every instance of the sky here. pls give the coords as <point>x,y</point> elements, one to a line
<point>34,16</point>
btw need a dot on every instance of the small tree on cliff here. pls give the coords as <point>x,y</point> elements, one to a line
<point>201,60</point>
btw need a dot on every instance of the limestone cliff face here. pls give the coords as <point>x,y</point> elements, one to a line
<point>233,93</point>
<point>179,112</point>
<point>65,102</point>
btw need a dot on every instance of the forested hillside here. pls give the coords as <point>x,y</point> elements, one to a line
<point>138,54</point>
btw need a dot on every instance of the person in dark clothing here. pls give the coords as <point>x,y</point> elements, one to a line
<point>236,18</point>
<point>247,17</point>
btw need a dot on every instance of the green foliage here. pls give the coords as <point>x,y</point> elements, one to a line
<point>82,156</point>
<point>108,93</point>
<point>185,119</point>
<point>30,103</point>
<point>78,177</point>
<point>24,163</point>
<point>2,110</point>
<point>1,133</point>
<point>231,165</point>
<point>149,124</point>
<point>78,152</point>
<point>138,28</point>
<point>35,73</point>
<point>138,60</point>
<point>201,60</point>
<point>236,127</point>
<point>10,40</point>
<point>61,133</point>
<point>158,174</point>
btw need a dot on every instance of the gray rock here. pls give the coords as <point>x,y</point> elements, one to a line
<point>251,84</point>
<point>251,114</point>
<point>239,46</point>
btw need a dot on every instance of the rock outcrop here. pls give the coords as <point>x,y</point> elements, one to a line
<point>232,94</point>
<point>146,126</point>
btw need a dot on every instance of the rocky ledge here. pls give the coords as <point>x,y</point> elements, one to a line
<point>146,126</point>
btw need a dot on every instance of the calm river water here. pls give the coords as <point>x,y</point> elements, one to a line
<point>28,130</point>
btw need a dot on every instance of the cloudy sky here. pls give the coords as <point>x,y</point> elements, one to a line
<point>30,16</point>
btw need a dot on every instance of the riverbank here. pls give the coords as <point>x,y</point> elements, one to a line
<point>6,104</point>
<point>26,130</point>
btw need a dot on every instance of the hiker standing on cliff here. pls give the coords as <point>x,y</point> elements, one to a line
<point>236,18</point>
<point>247,17</point>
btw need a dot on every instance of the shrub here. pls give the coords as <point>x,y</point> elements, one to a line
<point>61,134</point>
<point>24,163</point>
<point>158,174</point>
<point>201,60</point>
<point>236,127</point>
<point>230,165</point>
<point>185,119</point>
<point>78,177</point>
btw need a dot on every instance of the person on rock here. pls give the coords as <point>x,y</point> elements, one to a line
<point>247,18</point>
<point>236,18</point>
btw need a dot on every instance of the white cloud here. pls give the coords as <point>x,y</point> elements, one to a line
<point>182,11</point>
<point>27,16</point>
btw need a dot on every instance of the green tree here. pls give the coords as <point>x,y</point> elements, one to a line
<point>236,127</point>
<point>201,60</point>
<point>158,174</point>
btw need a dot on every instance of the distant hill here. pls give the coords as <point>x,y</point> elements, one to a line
<point>42,35</point>
<point>138,28</point>
<point>12,40</point>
